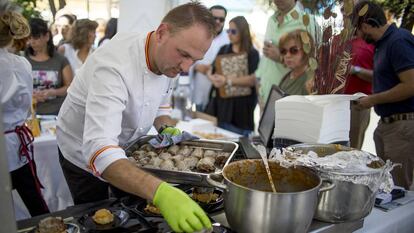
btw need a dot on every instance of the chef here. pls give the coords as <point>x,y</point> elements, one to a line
<point>122,90</point>
<point>16,87</point>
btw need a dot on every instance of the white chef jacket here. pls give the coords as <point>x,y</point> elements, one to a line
<point>113,100</point>
<point>16,88</point>
<point>200,83</point>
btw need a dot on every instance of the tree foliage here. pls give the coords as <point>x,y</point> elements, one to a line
<point>28,8</point>
<point>403,9</point>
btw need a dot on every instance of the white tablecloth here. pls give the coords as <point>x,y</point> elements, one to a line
<point>398,220</point>
<point>56,191</point>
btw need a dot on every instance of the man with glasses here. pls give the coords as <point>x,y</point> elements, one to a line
<point>200,83</point>
<point>393,89</point>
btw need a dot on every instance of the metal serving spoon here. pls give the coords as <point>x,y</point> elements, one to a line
<point>262,151</point>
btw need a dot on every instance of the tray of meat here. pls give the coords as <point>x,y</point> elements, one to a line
<point>186,163</point>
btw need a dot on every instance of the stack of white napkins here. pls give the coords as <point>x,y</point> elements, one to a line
<point>314,118</point>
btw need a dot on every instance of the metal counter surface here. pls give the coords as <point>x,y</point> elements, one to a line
<point>316,226</point>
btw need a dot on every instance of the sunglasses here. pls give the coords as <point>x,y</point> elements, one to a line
<point>292,50</point>
<point>232,31</point>
<point>221,19</point>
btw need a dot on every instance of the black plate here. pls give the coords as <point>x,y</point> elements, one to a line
<point>213,206</point>
<point>70,228</point>
<point>140,207</point>
<point>121,217</point>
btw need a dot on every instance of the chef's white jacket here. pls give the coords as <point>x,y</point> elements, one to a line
<point>16,87</point>
<point>112,100</point>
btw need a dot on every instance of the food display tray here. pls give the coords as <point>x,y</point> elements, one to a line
<point>187,177</point>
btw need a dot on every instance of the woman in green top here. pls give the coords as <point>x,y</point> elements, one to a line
<point>294,57</point>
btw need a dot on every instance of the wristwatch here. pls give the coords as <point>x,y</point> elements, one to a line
<point>356,69</point>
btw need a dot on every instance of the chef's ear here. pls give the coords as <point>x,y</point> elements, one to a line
<point>162,31</point>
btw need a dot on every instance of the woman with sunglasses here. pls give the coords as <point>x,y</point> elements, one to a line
<point>294,57</point>
<point>236,113</point>
<point>51,71</point>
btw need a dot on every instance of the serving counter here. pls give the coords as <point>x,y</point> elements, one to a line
<point>397,220</point>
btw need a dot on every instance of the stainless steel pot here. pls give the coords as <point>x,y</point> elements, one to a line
<point>348,201</point>
<point>251,207</point>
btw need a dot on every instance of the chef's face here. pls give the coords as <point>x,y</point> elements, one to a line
<point>176,52</point>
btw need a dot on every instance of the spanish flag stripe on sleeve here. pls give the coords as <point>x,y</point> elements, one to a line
<point>97,153</point>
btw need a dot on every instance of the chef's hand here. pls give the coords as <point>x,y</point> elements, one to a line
<point>179,210</point>
<point>172,131</point>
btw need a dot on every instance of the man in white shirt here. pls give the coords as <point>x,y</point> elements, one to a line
<point>116,97</point>
<point>201,85</point>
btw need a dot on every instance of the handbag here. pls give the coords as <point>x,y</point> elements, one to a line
<point>235,64</point>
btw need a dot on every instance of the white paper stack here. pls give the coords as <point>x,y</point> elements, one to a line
<point>314,118</point>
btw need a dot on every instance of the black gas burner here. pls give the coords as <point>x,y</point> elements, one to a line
<point>141,221</point>
<point>146,225</point>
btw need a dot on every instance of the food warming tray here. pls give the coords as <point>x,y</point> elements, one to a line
<point>186,177</point>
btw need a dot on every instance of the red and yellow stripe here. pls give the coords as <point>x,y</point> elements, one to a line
<point>147,44</point>
<point>96,154</point>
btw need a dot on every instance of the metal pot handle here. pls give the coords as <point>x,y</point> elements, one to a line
<point>212,180</point>
<point>328,187</point>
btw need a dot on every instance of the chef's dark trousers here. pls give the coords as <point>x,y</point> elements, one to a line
<point>84,186</point>
<point>24,182</point>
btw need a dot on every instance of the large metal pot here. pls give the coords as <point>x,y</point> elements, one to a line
<point>251,206</point>
<point>348,201</point>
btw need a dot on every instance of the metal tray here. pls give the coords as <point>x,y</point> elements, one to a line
<point>186,177</point>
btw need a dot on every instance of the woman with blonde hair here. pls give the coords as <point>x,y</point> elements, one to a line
<point>16,97</point>
<point>80,44</point>
<point>295,55</point>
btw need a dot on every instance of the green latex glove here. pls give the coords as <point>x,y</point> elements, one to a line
<point>172,131</point>
<point>179,210</point>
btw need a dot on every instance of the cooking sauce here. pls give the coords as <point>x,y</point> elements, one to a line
<point>252,174</point>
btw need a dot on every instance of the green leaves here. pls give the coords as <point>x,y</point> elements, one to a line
<point>28,8</point>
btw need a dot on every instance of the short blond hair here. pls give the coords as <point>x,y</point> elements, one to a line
<point>186,15</point>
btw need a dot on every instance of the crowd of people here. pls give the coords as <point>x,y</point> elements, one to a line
<point>108,96</point>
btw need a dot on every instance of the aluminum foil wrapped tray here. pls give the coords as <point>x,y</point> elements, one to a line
<point>186,163</point>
